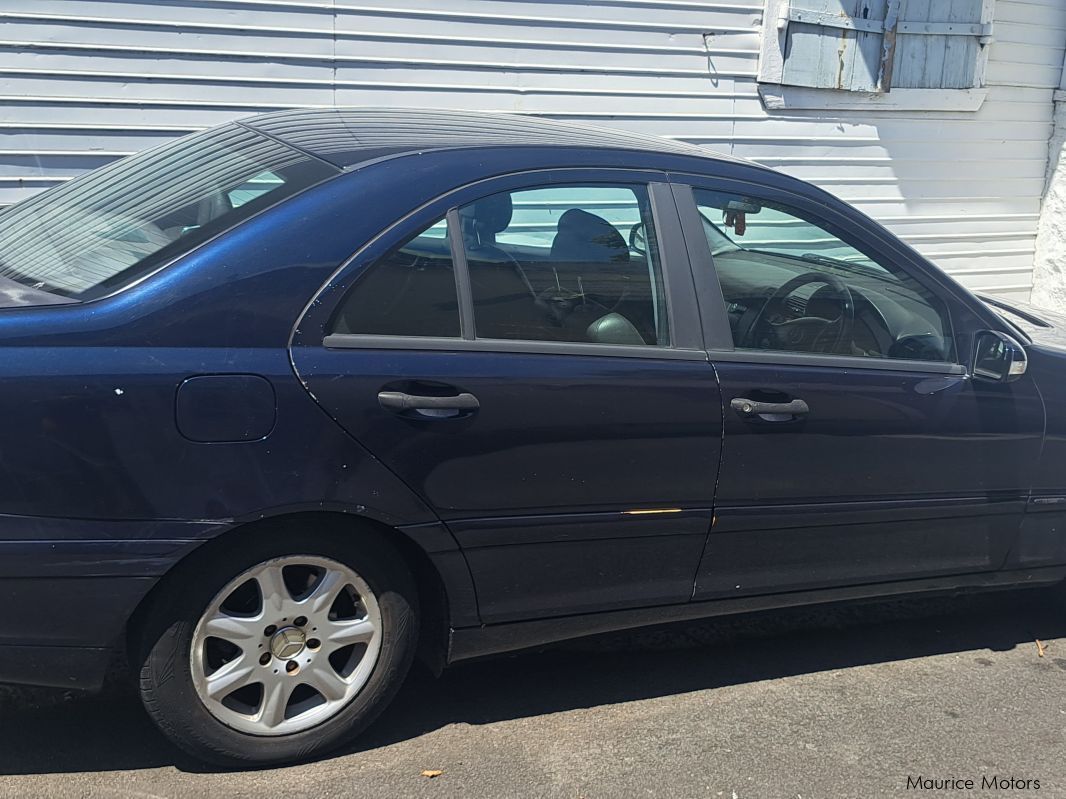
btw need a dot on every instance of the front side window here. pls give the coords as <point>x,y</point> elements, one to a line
<point>574,263</point>
<point>793,285</point>
<point>102,231</point>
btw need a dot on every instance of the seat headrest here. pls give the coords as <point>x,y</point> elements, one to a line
<point>484,218</point>
<point>583,236</point>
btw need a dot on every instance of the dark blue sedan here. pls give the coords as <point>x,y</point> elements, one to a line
<point>293,401</point>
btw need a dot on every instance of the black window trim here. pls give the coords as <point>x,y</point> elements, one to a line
<point>718,337</point>
<point>362,341</point>
<point>461,269</point>
<point>686,340</point>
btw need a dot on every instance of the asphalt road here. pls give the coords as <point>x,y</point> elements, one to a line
<point>844,702</point>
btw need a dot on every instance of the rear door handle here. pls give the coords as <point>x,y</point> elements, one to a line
<point>749,408</point>
<point>399,401</point>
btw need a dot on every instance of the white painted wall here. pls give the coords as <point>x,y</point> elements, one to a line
<point>84,81</point>
<point>1049,273</point>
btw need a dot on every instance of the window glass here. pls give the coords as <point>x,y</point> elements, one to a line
<point>409,292</point>
<point>257,186</point>
<point>103,230</point>
<point>791,285</point>
<point>566,263</point>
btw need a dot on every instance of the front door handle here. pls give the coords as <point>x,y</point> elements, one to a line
<point>399,401</point>
<point>749,408</point>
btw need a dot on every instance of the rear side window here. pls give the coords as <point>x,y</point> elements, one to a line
<point>566,263</point>
<point>409,292</point>
<point>575,264</point>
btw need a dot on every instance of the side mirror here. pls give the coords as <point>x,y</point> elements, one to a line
<point>998,357</point>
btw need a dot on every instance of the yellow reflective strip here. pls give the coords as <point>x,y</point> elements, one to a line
<point>645,512</point>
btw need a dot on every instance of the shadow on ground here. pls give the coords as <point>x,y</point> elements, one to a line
<point>58,733</point>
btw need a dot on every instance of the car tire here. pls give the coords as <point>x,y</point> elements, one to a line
<point>180,660</point>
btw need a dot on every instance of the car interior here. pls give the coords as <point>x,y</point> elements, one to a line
<point>571,275</point>
<point>588,286</point>
<point>91,244</point>
<point>793,286</point>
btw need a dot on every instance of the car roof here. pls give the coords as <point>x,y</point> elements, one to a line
<point>347,137</point>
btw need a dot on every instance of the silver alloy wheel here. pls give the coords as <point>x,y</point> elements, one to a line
<point>286,645</point>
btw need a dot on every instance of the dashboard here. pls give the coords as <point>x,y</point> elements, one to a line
<point>890,319</point>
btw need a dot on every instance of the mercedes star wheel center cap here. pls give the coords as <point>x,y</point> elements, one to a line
<point>287,643</point>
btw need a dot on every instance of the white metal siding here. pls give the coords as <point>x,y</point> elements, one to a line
<point>85,81</point>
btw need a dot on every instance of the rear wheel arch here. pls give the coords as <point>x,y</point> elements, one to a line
<point>433,599</point>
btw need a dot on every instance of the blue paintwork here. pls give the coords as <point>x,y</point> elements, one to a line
<point>892,475</point>
<point>108,475</point>
<point>553,436</point>
<point>221,409</point>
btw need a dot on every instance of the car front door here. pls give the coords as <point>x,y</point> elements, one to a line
<point>857,448</point>
<point>527,356</point>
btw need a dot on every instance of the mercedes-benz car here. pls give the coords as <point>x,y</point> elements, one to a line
<point>293,401</point>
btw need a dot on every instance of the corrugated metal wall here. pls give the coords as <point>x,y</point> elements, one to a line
<point>85,81</point>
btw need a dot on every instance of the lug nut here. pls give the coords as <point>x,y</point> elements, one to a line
<point>264,659</point>
<point>300,621</point>
<point>270,630</point>
<point>313,643</point>
<point>291,666</point>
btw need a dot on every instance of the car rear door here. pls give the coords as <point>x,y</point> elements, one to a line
<point>540,382</point>
<point>850,459</point>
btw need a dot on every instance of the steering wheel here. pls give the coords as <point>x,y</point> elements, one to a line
<point>808,333</point>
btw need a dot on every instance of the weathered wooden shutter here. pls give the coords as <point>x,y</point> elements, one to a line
<point>875,45</point>
<point>834,44</point>
<point>938,43</point>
